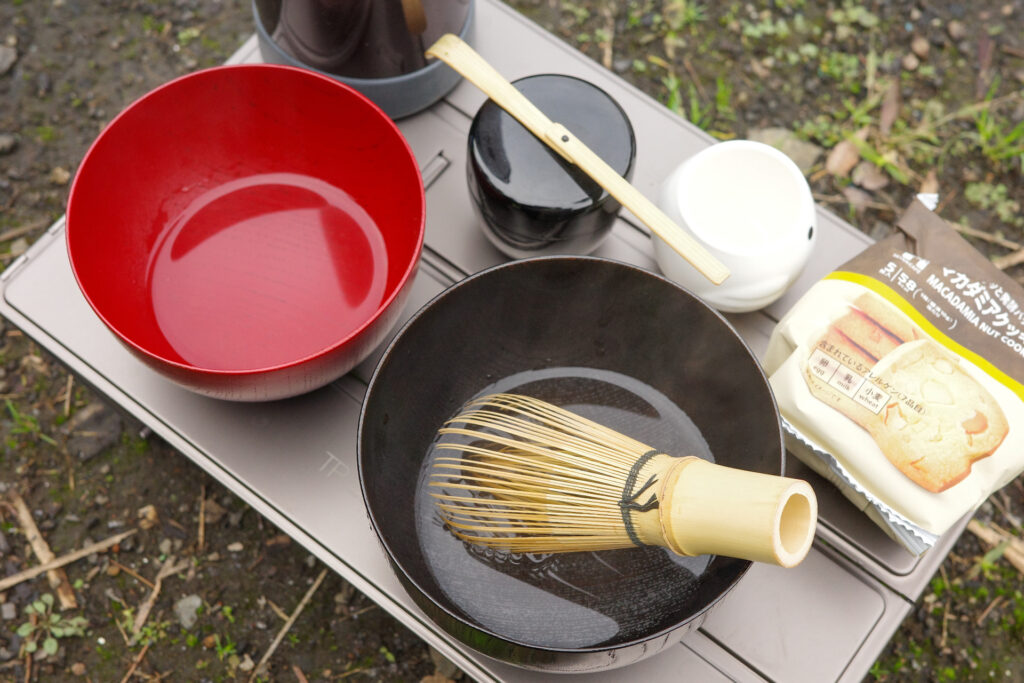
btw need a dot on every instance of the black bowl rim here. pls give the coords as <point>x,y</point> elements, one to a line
<point>584,206</point>
<point>407,579</point>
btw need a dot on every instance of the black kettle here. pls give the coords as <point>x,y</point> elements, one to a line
<point>363,42</point>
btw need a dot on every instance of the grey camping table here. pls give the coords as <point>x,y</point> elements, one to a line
<point>294,460</point>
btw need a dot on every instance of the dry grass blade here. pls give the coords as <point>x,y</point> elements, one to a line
<point>258,670</point>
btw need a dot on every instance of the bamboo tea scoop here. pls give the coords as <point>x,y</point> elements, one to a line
<point>453,51</point>
<point>530,477</point>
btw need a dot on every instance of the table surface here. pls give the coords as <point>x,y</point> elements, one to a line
<point>294,460</point>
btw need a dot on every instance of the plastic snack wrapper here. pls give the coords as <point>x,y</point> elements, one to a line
<point>899,378</point>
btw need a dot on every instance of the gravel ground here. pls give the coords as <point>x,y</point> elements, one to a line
<point>934,89</point>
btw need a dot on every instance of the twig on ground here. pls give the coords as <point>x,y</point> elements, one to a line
<point>259,558</point>
<point>840,199</point>
<point>993,536</point>
<point>134,574</point>
<point>71,469</point>
<point>277,610</point>
<point>288,624</point>
<point>1010,260</point>
<point>67,395</point>
<point>56,577</point>
<point>298,674</point>
<point>982,235</point>
<point>945,625</point>
<point>607,52</point>
<point>201,543</point>
<point>169,567</point>
<point>946,199</point>
<point>33,572</point>
<point>1014,51</point>
<point>135,663</point>
<point>1000,501</point>
<point>695,78</point>
<point>981,618</point>
<point>124,634</point>
<point>22,230</point>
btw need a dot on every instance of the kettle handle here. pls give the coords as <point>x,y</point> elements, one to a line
<point>415,18</point>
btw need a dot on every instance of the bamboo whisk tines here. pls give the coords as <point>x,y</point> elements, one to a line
<point>518,474</point>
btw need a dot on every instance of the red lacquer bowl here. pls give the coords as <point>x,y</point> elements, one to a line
<point>250,232</point>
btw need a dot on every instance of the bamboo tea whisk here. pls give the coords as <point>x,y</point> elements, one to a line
<point>531,477</point>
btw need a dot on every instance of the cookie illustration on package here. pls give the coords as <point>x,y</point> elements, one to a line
<point>929,418</point>
<point>939,420</point>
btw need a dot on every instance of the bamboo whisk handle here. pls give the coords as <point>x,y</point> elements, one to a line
<point>708,508</point>
<point>454,52</point>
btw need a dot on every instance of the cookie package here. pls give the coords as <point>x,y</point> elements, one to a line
<point>899,379</point>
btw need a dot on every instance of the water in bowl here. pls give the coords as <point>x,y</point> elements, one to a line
<point>265,270</point>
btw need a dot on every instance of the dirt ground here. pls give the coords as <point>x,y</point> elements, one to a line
<point>933,91</point>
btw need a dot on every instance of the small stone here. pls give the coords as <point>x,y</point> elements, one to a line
<point>261,625</point>
<point>235,518</point>
<point>187,610</point>
<point>165,546</point>
<point>1006,10</point>
<point>78,669</point>
<point>235,547</point>
<point>19,246</point>
<point>804,154</point>
<point>956,30</point>
<point>213,557</point>
<point>113,570</point>
<point>60,176</point>
<point>920,46</point>
<point>91,430</point>
<point>246,664</point>
<point>310,561</point>
<point>210,641</point>
<point>910,62</point>
<point>8,611</point>
<point>7,143</point>
<point>8,56</point>
<point>101,500</point>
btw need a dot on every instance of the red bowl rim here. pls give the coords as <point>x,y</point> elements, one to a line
<point>410,267</point>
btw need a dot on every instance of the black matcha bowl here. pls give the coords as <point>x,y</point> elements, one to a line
<point>616,343</point>
<point>530,201</point>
